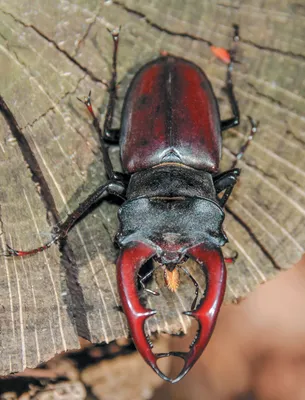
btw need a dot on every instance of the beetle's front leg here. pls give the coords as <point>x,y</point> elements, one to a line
<point>111,187</point>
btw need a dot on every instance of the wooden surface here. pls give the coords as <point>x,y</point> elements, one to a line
<point>52,52</point>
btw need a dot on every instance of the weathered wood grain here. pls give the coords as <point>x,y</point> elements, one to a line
<point>52,52</point>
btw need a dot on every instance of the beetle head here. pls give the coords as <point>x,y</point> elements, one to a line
<point>171,226</point>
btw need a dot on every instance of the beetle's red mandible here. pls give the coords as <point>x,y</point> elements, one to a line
<point>128,265</point>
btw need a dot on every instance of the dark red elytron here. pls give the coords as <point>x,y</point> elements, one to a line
<point>174,195</point>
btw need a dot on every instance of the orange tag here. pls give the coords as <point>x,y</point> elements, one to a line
<point>221,53</point>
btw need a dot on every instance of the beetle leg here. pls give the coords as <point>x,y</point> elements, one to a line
<point>225,181</point>
<point>107,134</point>
<point>112,87</point>
<point>112,136</point>
<point>236,39</point>
<point>107,162</point>
<point>231,122</point>
<point>111,187</point>
<point>239,155</point>
<point>144,278</point>
<point>227,56</point>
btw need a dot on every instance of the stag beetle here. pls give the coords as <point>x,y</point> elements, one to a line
<point>170,146</point>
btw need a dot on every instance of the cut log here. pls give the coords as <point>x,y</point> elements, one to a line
<point>50,158</point>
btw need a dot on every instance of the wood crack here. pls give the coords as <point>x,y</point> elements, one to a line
<point>274,101</point>
<point>159,27</point>
<point>64,52</point>
<point>262,171</point>
<point>200,39</point>
<point>228,6</point>
<point>273,50</point>
<point>293,181</point>
<point>1,224</point>
<point>89,27</point>
<point>271,99</point>
<point>52,108</point>
<point>252,165</point>
<point>70,267</point>
<point>253,237</point>
<point>295,137</point>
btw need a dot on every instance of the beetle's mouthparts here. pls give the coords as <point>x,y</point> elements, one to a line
<point>129,263</point>
<point>171,258</point>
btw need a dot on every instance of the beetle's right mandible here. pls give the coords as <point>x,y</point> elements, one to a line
<point>128,264</point>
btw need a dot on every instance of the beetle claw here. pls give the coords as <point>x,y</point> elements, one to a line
<point>188,313</point>
<point>10,252</point>
<point>87,102</point>
<point>115,33</point>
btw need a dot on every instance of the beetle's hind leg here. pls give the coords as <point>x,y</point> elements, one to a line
<point>243,148</point>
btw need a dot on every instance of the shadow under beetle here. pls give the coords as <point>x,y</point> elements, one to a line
<point>170,145</point>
